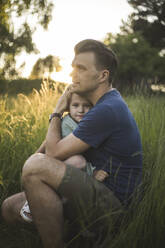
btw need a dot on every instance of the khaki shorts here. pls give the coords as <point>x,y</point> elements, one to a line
<point>87,202</point>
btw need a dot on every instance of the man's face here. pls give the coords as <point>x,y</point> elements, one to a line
<point>85,76</point>
<point>78,107</point>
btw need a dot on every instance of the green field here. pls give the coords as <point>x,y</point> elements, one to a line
<point>23,125</point>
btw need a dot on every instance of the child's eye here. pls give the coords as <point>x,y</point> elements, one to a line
<point>75,105</point>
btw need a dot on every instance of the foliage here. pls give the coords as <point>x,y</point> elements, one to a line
<point>26,86</point>
<point>4,86</point>
<point>46,65</point>
<point>19,86</point>
<point>149,19</point>
<point>139,63</point>
<point>23,125</point>
<point>14,39</point>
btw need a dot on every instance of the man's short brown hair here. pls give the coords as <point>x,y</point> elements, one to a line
<point>105,57</point>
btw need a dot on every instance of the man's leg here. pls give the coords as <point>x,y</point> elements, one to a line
<point>41,177</point>
<point>11,208</point>
<point>12,205</point>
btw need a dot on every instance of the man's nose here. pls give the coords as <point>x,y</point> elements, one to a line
<point>73,75</point>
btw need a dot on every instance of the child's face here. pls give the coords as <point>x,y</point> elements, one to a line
<point>78,107</point>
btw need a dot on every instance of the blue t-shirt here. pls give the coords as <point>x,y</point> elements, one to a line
<point>111,131</point>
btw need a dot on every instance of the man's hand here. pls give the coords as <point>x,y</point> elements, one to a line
<point>63,102</point>
<point>100,175</point>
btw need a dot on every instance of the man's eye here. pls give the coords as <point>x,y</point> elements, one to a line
<point>81,68</point>
<point>87,106</point>
<point>75,105</point>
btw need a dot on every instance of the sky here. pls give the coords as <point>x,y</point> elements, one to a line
<point>73,21</point>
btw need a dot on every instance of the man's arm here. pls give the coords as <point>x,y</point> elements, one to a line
<point>62,148</point>
<point>41,149</point>
<point>56,146</point>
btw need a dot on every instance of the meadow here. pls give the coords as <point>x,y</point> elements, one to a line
<point>23,126</point>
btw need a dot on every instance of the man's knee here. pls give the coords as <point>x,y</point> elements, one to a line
<point>42,167</point>
<point>33,162</point>
<point>33,166</point>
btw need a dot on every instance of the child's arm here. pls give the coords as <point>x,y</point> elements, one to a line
<point>100,175</point>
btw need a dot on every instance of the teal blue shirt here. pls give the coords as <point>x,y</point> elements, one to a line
<point>68,125</point>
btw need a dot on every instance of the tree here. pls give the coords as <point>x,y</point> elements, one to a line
<point>149,19</point>
<point>138,61</point>
<point>12,39</point>
<point>46,65</point>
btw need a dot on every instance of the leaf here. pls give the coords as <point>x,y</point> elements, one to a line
<point>1,180</point>
<point>136,153</point>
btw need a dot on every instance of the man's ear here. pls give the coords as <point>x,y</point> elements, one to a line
<point>104,76</point>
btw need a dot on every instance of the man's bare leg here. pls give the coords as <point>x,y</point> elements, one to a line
<point>11,208</point>
<point>12,205</point>
<point>41,177</point>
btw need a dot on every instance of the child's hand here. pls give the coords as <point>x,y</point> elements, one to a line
<point>100,175</point>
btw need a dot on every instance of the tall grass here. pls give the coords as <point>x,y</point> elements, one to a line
<point>147,223</point>
<point>23,125</point>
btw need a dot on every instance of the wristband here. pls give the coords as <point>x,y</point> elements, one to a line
<point>55,115</point>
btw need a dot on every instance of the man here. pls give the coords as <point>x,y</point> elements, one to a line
<point>108,138</point>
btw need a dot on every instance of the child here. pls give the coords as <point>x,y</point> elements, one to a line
<point>78,107</point>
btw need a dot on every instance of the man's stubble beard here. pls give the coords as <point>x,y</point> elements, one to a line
<point>87,92</point>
